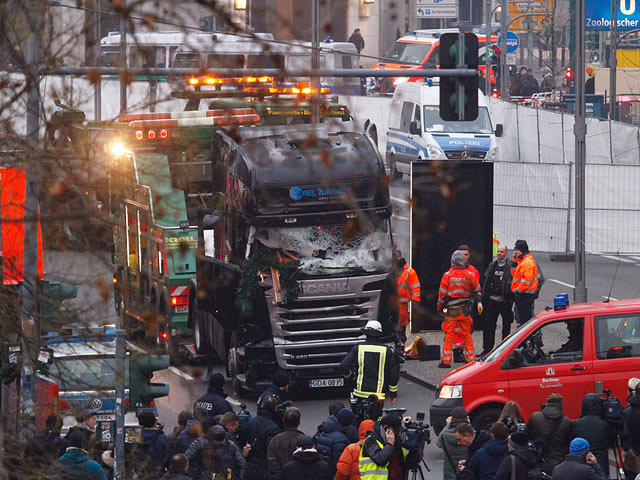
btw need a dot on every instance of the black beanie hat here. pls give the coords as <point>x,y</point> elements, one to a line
<point>391,420</point>
<point>304,441</point>
<point>519,439</point>
<point>522,246</point>
<point>280,379</point>
<point>216,380</point>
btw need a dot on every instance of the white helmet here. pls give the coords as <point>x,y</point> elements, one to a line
<point>373,325</point>
<point>634,382</point>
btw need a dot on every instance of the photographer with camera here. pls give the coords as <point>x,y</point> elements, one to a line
<point>550,431</point>
<point>580,464</point>
<point>595,430</point>
<point>279,388</point>
<point>520,460</point>
<point>382,456</point>
<point>368,357</point>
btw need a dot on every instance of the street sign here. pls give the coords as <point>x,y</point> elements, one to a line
<point>530,23</point>
<point>439,11</point>
<point>513,42</point>
<point>430,3</point>
<point>598,15</point>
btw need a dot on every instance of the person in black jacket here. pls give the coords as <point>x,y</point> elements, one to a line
<point>592,427</point>
<point>214,401</point>
<point>382,445</point>
<point>215,454</point>
<point>331,440</point>
<point>580,464</point>
<point>279,388</point>
<point>261,429</point>
<point>497,298</point>
<point>520,456</point>
<point>178,468</point>
<point>487,459</point>
<point>307,463</point>
<point>150,457</point>
<point>550,429</point>
<point>631,421</point>
<point>42,450</point>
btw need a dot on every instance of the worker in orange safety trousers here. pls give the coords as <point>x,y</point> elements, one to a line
<point>458,343</point>
<point>408,292</point>
<point>459,289</point>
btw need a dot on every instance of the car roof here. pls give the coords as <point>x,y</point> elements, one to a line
<point>613,307</point>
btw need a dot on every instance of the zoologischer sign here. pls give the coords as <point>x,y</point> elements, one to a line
<point>598,15</point>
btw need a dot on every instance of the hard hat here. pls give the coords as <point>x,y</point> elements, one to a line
<point>634,382</point>
<point>590,71</point>
<point>373,325</point>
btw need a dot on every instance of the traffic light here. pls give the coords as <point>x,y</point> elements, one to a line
<point>141,389</point>
<point>449,86</point>
<point>570,81</point>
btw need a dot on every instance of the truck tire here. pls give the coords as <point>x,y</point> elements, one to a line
<point>485,418</point>
<point>200,340</point>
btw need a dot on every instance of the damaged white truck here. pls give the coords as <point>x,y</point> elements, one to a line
<point>298,256</point>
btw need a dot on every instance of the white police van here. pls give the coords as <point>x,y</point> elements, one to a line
<point>416,131</point>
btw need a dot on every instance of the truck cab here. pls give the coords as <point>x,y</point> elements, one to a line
<point>299,258</point>
<point>416,131</point>
<point>569,349</point>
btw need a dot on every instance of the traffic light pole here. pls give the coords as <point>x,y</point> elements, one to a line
<point>580,132</point>
<point>503,51</point>
<point>613,61</point>
<point>123,60</point>
<point>118,454</point>
<point>315,58</point>
<point>487,46</point>
<point>461,65</point>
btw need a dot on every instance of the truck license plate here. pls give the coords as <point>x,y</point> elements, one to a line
<point>182,309</point>
<point>326,382</point>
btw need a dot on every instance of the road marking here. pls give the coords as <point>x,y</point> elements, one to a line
<point>611,257</point>
<point>561,283</point>
<point>610,298</point>
<point>635,258</point>
<point>406,202</point>
<point>180,373</point>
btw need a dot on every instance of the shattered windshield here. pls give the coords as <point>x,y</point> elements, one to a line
<point>330,249</point>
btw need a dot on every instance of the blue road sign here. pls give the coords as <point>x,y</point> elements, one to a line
<point>513,42</point>
<point>598,15</point>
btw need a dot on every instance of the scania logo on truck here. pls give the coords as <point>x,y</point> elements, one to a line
<point>323,288</point>
<point>297,193</point>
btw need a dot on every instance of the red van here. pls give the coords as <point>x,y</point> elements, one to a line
<point>421,49</point>
<point>570,349</point>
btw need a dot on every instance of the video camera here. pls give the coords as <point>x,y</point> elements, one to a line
<point>365,408</point>
<point>413,436</point>
<point>613,413</point>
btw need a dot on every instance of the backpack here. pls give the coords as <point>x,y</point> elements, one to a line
<point>532,473</point>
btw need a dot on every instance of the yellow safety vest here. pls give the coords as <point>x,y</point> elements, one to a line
<point>381,351</point>
<point>370,470</point>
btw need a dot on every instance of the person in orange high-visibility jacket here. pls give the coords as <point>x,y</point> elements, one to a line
<point>524,283</point>
<point>458,290</point>
<point>458,341</point>
<point>408,291</point>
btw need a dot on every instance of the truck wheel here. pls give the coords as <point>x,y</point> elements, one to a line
<point>199,333</point>
<point>485,418</point>
<point>393,169</point>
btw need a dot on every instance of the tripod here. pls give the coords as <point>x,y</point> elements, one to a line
<point>416,472</point>
<point>617,452</point>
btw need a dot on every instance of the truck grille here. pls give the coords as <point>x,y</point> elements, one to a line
<point>317,330</point>
<point>460,155</point>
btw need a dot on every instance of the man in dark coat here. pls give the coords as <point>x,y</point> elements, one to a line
<point>150,457</point>
<point>540,428</point>
<point>279,388</point>
<point>281,447</point>
<point>487,459</point>
<point>520,456</point>
<point>631,422</point>
<point>382,445</point>
<point>332,439</point>
<point>216,454</point>
<point>178,468</point>
<point>42,450</point>
<point>357,40</point>
<point>75,464</point>
<point>307,463</point>
<point>214,401</point>
<point>261,429</point>
<point>497,299</point>
<point>580,464</point>
<point>592,427</point>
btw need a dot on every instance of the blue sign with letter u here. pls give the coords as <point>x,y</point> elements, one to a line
<point>598,15</point>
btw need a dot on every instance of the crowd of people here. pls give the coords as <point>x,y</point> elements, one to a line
<point>548,445</point>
